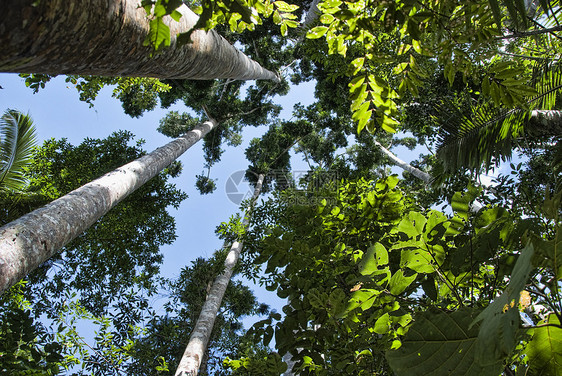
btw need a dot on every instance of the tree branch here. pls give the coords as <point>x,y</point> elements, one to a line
<point>522,34</point>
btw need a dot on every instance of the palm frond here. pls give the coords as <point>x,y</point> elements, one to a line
<point>488,135</point>
<point>483,138</point>
<point>17,139</point>
<point>547,80</point>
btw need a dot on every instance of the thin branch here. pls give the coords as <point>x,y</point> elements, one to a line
<point>527,57</point>
<point>522,34</point>
<point>228,81</point>
<point>542,326</point>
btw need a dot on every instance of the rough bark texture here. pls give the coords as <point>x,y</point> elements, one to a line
<point>403,165</point>
<point>191,359</point>
<point>32,239</point>
<point>105,38</point>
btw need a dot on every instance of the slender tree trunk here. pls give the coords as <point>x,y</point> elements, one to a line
<point>105,38</point>
<point>30,240</point>
<point>311,16</point>
<point>404,165</point>
<point>424,176</point>
<point>191,360</point>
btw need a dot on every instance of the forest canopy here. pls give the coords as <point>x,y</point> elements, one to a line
<point>433,272</point>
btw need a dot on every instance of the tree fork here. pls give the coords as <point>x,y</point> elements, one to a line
<point>195,349</point>
<point>106,37</point>
<point>32,239</point>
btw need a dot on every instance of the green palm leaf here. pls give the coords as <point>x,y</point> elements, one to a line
<point>489,134</point>
<point>17,139</point>
<point>484,138</point>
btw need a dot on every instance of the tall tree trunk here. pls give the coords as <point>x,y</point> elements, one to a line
<point>311,16</point>
<point>404,165</point>
<point>30,240</point>
<point>105,38</point>
<point>191,359</point>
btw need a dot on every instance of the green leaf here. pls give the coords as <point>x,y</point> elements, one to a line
<point>326,19</point>
<point>356,65</point>
<point>382,325</point>
<point>544,351</point>
<point>548,253</point>
<point>460,202</point>
<point>400,68</point>
<point>268,335</point>
<point>316,32</point>
<point>389,124</point>
<point>399,282</point>
<point>376,255</point>
<point>176,15</point>
<point>500,320</point>
<point>17,139</point>
<point>440,344</point>
<point>368,263</point>
<point>417,259</point>
<point>285,7</point>
<point>381,254</point>
<point>158,35</point>
<point>496,12</point>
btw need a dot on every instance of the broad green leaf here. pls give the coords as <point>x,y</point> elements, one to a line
<point>440,344</point>
<point>283,29</point>
<point>158,35</point>
<point>326,19</point>
<point>436,227</point>
<point>399,282</point>
<point>376,255</point>
<point>369,263</point>
<point>381,254</point>
<point>176,15</point>
<point>544,351</point>
<point>382,325</point>
<point>548,253</point>
<point>400,68</point>
<point>362,298</point>
<point>316,32</point>
<point>357,64</point>
<point>500,320</point>
<point>460,202</point>
<point>363,119</point>
<point>412,225</point>
<point>417,259</point>
<point>356,82</point>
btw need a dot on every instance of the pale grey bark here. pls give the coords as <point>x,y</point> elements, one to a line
<point>32,239</point>
<point>311,16</point>
<point>105,38</point>
<point>404,165</point>
<point>288,358</point>
<point>191,359</point>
